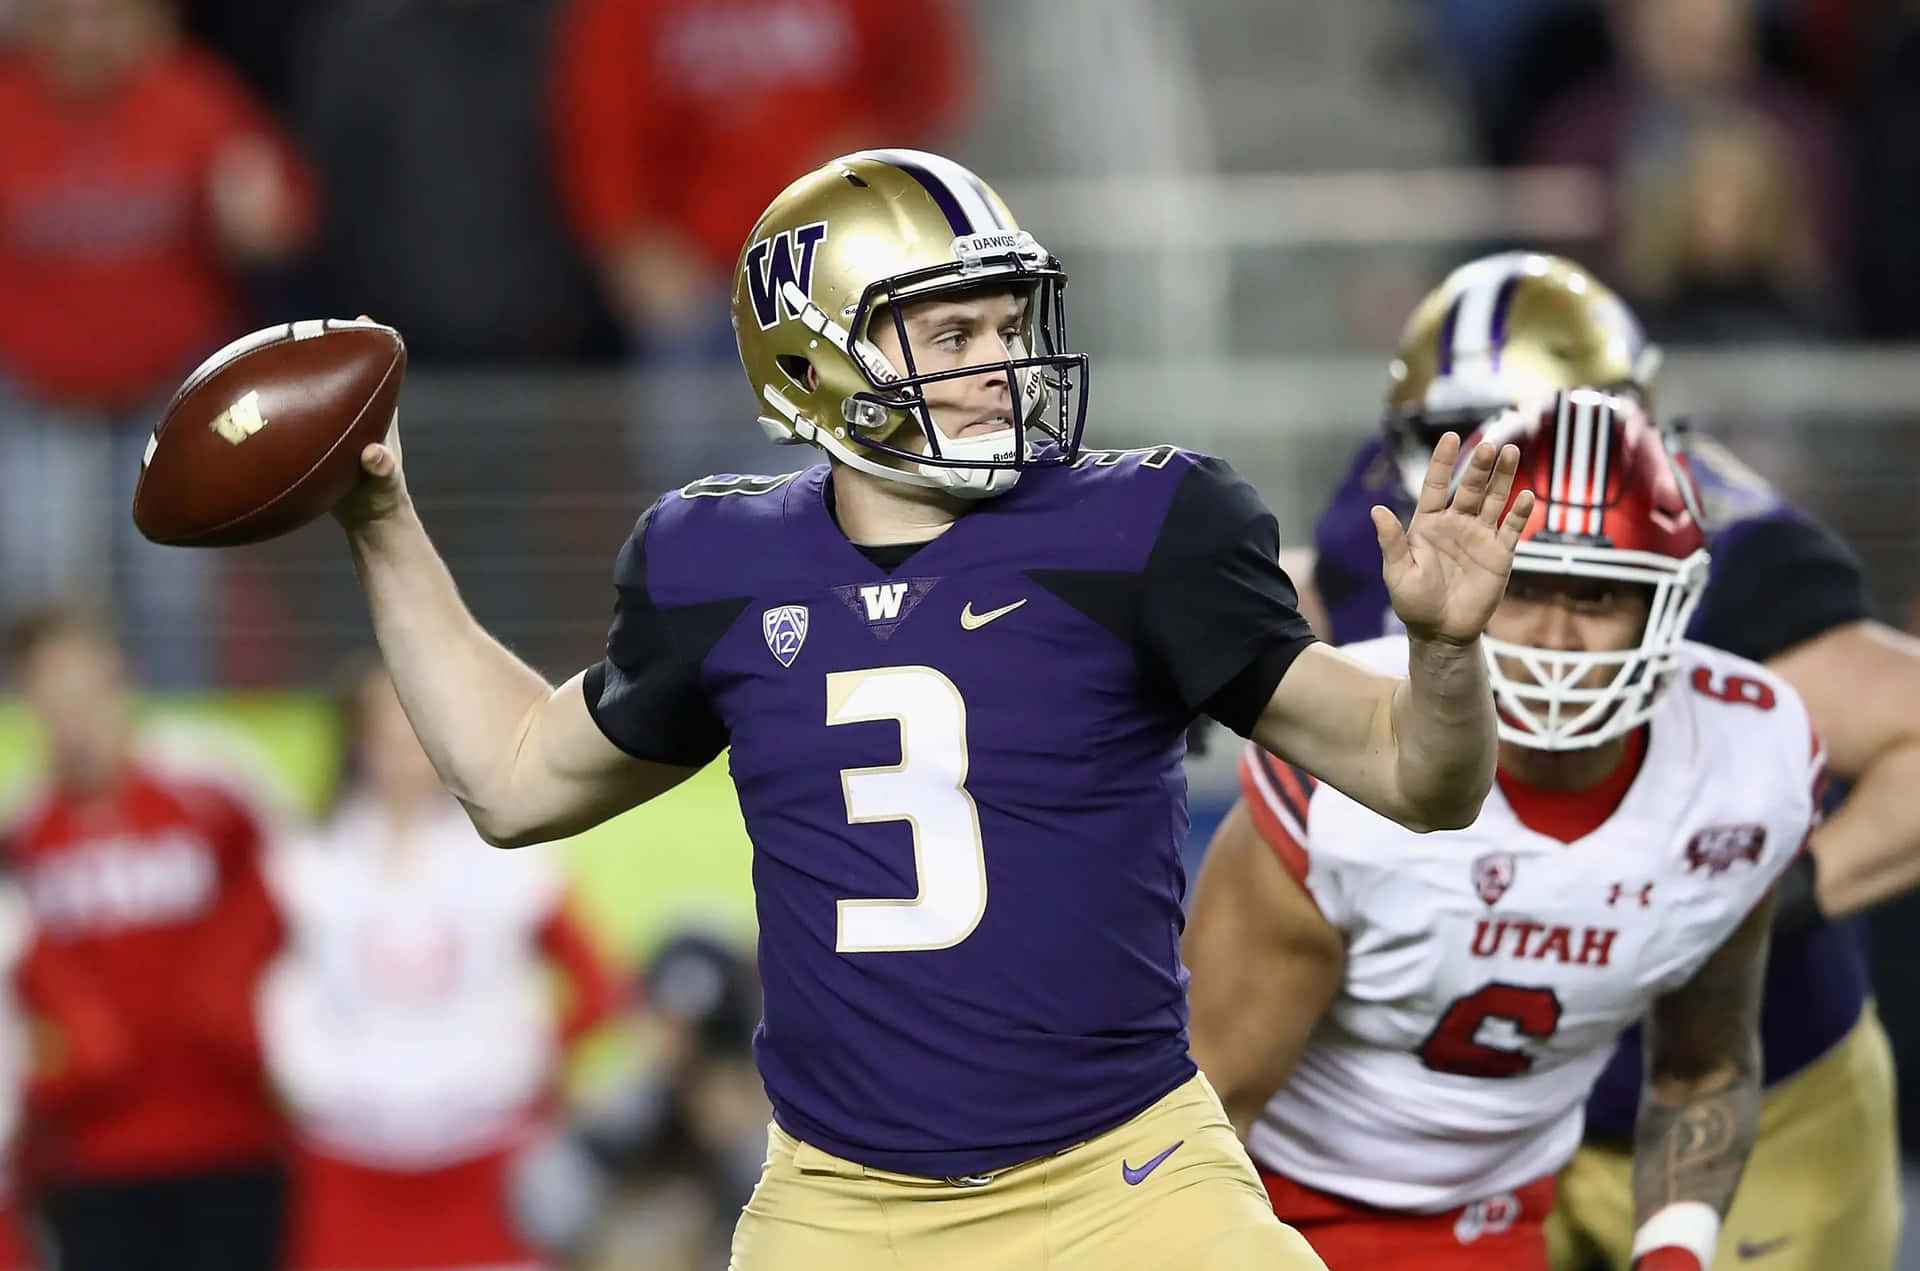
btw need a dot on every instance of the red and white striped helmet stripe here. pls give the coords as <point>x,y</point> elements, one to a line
<point>1582,441</point>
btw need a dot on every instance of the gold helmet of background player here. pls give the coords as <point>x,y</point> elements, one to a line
<point>1502,330</point>
<point>844,247</point>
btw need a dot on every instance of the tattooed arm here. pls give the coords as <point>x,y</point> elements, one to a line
<point>1700,1110</point>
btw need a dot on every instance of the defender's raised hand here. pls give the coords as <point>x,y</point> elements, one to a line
<point>1448,568</point>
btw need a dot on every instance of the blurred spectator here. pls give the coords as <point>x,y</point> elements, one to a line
<point>137,180</point>
<point>427,122</point>
<point>411,1025</point>
<point>667,1162</point>
<point>1688,102</point>
<point>678,120</point>
<point>1716,236</point>
<point>152,1140</point>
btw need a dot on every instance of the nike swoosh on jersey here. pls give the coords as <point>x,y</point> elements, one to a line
<point>1135,1177</point>
<point>1760,1248</point>
<point>971,621</point>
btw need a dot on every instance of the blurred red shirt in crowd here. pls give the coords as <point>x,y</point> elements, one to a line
<point>680,119</point>
<point>136,174</point>
<point>152,925</point>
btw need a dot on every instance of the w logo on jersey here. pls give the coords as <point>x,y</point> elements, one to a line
<point>785,628</point>
<point>884,606</point>
<point>883,601</point>
<point>772,263</point>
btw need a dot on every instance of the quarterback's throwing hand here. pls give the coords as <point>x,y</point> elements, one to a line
<point>1448,568</point>
<point>382,491</point>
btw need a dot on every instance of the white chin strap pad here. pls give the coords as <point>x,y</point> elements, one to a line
<point>978,483</point>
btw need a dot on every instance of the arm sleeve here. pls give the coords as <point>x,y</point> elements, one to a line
<point>1217,612</point>
<point>1777,582</point>
<point>645,694</point>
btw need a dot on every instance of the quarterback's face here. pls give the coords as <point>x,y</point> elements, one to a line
<point>982,329</point>
<point>1571,615</point>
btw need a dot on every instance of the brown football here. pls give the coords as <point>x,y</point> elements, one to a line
<point>266,435</point>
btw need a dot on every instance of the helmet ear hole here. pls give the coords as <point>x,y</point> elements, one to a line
<point>799,370</point>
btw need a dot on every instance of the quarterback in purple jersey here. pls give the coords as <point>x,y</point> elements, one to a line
<point>1821,1189</point>
<point>953,667</point>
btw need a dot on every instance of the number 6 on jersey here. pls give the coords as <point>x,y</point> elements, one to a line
<point>927,790</point>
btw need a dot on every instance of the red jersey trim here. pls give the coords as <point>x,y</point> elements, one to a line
<point>1278,796</point>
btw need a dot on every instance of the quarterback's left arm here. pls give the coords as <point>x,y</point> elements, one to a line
<point>1419,750</point>
<point>1700,1109</point>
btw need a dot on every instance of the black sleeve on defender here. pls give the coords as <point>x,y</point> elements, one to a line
<point>1775,583</point>
<point>645,693</point>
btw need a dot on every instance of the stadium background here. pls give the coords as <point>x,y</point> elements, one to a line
<point>1249,195</point>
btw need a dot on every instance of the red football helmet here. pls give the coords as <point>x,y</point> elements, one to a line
<point>1610,502</point>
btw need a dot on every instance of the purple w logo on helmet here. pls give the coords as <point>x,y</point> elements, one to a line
<point>771,265</point>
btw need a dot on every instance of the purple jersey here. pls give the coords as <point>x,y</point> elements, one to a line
<point>960,766</point>
<point>1777,579</point>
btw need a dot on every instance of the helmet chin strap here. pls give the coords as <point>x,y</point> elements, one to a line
<point>975,482</point>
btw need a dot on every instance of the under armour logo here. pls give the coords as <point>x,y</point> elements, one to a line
<point>1644,891</point>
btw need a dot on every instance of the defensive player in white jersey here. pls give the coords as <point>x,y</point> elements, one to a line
<point>1437,1006</point>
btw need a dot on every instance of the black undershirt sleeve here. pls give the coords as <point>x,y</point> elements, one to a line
<point>645,693</point>
<point>1217,612</point>
<point>1776,583</point>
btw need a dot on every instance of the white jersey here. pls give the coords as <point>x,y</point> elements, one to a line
<point>410,1022</point>
<point>1491,970</point>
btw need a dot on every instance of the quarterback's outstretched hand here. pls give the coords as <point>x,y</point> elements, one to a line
<point>1446,571</point>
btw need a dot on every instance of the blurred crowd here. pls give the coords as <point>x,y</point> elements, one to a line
<point>559,182</point>
<point>230,1043</point>
<point>506,181</point>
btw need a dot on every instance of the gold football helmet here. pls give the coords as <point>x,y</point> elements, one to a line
<point>848,244</point>
<point>1503,330</point>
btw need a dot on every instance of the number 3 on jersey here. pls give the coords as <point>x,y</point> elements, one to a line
<point>926,789</point>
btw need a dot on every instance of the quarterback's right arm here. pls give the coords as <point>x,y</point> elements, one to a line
<point>1265,962</point>
<point>526,760</point>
